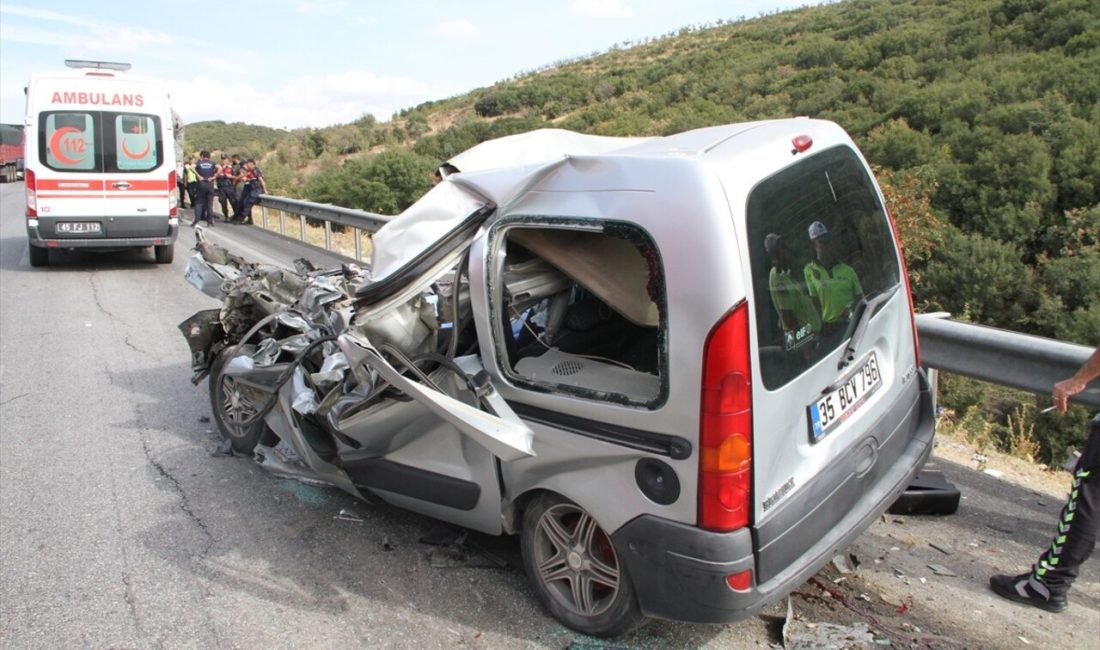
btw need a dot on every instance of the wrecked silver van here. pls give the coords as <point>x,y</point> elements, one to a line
<point>683,369</point>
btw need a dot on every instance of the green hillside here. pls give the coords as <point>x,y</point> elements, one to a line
<point>982,117</point>
<point>236,137</point>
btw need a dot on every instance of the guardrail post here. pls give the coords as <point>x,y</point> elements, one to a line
<point>328,235</point>
<point>358,245</point>
<point>301,227</point>
<point>282,223</point>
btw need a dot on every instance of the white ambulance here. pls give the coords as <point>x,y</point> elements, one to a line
<point>100,165</point>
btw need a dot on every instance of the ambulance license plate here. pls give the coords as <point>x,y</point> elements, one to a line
<point>838,405</point>
<point>80,227</point>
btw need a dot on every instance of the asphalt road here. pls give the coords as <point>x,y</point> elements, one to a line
<point>120,527</point>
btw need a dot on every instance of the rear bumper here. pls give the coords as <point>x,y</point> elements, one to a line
<point>138,232</point>
<point>679,571</point>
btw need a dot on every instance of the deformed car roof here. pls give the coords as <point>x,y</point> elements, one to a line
<point>499,172</point>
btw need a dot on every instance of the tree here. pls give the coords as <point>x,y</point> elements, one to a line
<point>895,145</point>
<point>979,279</point>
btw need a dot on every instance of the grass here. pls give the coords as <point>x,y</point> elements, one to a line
<point>290,225</point>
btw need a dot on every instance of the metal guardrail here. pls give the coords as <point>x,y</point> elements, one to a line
<point>358,220</point>
<point>1022,361</point>
<point>1029,363</point>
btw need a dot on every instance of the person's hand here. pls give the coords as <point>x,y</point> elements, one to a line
<point>1065,389</point>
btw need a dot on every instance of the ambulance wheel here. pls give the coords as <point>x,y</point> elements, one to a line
<point>235,410</point>
<point>574,569</point>
<point>39,256</point>
<point>164,254</point>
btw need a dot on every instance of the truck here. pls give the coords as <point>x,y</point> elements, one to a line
<point>11,152</point>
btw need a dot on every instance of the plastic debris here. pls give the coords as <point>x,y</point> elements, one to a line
<point>891,600</point>
<point>995,473</point>
<point>223,450</point>
<point>843,564</point>
<point>347,514</point>
<point>941,570</point>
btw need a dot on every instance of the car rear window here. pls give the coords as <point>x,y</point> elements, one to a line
<point>100,141</point>
<point>819,242</point>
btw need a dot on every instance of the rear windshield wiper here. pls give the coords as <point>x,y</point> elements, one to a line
<point>857,327</point>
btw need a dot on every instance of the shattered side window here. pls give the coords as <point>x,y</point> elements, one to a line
<point>582,311</point>
<point>819,242</point>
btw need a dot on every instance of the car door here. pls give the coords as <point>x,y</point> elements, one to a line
<point>69,183</point>
<point>136,180</point>
<point>437,449</point>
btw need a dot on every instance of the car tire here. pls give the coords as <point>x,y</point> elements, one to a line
<point>574,569</point>
<point>39,256</point>
<point>232,406</point>
<point>164,254</point>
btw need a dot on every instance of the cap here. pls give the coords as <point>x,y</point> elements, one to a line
<point>817,229</point>
<point>771,242</point>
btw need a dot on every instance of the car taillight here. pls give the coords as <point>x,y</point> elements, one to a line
<point>725,436</point>
<point>908,289</point>
<point>32,194</point>
<point>173,202</point>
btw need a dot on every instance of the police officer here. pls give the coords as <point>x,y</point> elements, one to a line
<point>254,187</point>
<point>1045,586</point>
<point>832,284</point>
<point>206,170</point>
<point>224,180</point>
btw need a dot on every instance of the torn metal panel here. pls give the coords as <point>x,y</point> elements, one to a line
<point>305,400</point>
<point>508,440</point>
<point>332,370</point>
<point>205,277</point>
<point>204,333</point>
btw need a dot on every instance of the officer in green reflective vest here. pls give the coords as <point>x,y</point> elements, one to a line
<point>833,285</point>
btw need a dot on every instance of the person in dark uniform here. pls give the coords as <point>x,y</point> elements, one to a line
<point>1050,578</point>
<point>253,188</point>
<point>224,181</point>
<point>238,185</point>
<point>206,170</point>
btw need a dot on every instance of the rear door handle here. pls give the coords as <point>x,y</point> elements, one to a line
<point>123,185</point>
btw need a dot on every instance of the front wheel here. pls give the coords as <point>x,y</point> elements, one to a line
<point>235,408</point>
<point>574,569</point>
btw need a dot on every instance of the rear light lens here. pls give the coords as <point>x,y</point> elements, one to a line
<point>173,201</point>
<point>801,143</point>
<point>725,467</point>
<point>32,193</point>
<point>908,289</point>
<point>740,581</point>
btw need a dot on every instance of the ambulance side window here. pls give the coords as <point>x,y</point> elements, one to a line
<point>67,142</point>
<point>136,142</point>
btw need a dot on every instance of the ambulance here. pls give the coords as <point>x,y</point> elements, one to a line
<point>100,166</point>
